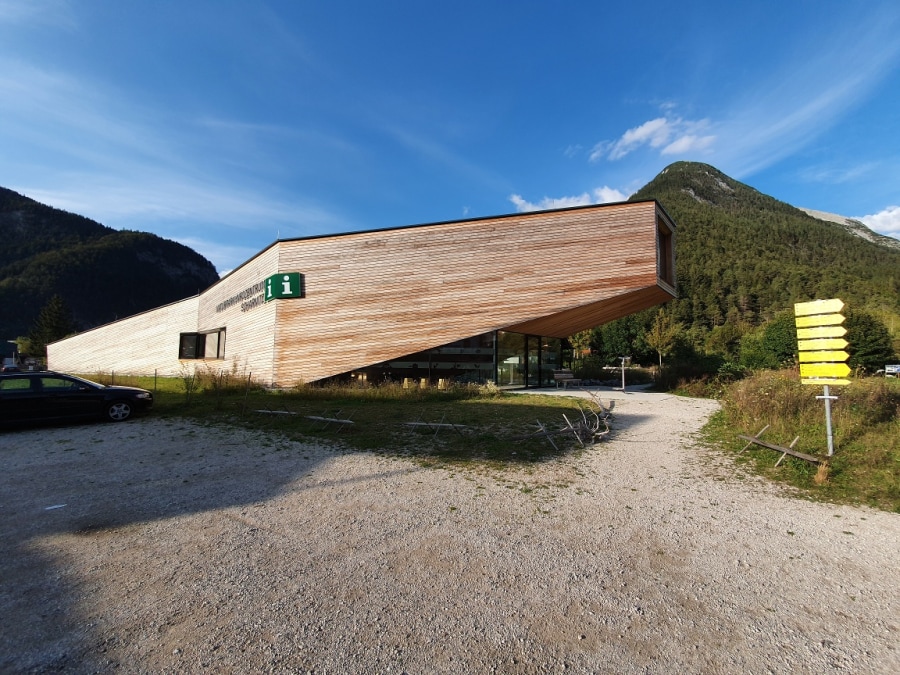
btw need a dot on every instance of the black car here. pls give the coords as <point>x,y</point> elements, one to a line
<point>47,396</point>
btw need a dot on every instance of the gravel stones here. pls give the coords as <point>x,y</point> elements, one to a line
<point>182,548</point>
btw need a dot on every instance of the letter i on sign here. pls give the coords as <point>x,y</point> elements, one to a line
<point>286,286</point>
<point>268,289</point>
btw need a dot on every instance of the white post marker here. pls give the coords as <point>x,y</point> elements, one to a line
<point>828,399</point>
<point>624,359</point>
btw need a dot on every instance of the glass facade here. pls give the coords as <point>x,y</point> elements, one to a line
<point>508,359</point>
<point>527,360</point>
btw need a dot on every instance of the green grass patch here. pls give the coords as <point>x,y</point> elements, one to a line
<point>491,427</point>
<point>865,467</point>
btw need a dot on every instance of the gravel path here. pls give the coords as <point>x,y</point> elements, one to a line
<point>163,546</point>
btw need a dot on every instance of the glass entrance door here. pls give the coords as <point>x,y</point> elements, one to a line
<point>511,362</point>
<point>526,360</point>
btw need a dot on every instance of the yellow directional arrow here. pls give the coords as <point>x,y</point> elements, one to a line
<point>823,357</point>
<point>832,306</point>
<point>824,380</point>
<point>821,332</point>
<point>823,343</point>
<point>824,370</point>
<point>819,320</point>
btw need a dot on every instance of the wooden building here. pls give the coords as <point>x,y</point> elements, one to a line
<point>483,299</point>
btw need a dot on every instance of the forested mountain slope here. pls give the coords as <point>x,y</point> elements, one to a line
<point>100,273</point>
<point>743,256</point>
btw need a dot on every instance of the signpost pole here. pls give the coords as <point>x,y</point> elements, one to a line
<point>827,398</point>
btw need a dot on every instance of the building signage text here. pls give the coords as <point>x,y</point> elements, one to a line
<point>282,285</point>
<point>249,298</point>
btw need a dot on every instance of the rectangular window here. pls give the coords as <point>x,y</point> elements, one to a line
<point>212,349</point>
<point>665,251</point>
<point>208,345</point>
<point>191,346</point>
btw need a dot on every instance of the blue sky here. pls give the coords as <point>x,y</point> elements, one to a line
<point>227,124</point>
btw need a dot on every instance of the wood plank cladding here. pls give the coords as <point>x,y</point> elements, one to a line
<point>376,296</point>
<point>142,344</point>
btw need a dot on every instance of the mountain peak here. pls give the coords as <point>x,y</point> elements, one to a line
<point>701,183</point>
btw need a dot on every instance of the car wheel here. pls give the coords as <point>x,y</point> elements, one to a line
<point>118,411</point>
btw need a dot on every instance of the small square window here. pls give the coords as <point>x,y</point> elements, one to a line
<point>191,346</point>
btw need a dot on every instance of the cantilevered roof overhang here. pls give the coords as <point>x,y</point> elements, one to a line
<point>381,295</point>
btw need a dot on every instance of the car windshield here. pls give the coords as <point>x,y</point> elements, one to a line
<point>90,383</point>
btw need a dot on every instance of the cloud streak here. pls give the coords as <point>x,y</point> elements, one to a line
<point>602,195</point>
<point>56,13</point>
<point>808,96</point>
<point>668,135</point>
<point>132,168</point>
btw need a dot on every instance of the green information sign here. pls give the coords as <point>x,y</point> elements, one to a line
<point>284,285</point>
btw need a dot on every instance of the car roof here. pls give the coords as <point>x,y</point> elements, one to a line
<point>35,373</point>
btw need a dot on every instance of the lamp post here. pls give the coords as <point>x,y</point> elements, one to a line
<point>15,353</point>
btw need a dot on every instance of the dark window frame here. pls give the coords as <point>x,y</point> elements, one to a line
<point>192,346</point>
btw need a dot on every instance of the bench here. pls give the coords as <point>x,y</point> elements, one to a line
<point>565,378</point>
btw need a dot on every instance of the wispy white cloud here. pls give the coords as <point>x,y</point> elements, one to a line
<point>668,135</point>
<point>130,167</point>
<point>522,205</point>
<point>653,133</point>
<point>601,195</point>
<point>885,222</point>
<point>57,13</point>
<point>809,95</point>
<point>435,151</point>
<point>79,121</point>
<point>687,144</point>
<point>606,195</point>
<point>835,175</point>
<point>216,213</point>
<point>776,116</point>
<point>172,199</point>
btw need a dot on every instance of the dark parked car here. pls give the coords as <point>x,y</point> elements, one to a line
<point>47,396</point>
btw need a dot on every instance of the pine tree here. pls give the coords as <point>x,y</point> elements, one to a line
<point>53,323</point>
<point>870,342</point>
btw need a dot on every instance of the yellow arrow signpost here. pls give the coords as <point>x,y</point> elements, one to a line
<point>826,358</point>
<point>821,347</point>
<point>822,344</point>
<point>821,332</point>
<point>833,306</point>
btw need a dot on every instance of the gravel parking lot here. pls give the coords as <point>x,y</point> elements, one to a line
<point>164,546</point>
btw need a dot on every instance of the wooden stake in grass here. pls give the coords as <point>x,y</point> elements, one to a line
<point>821,474</point>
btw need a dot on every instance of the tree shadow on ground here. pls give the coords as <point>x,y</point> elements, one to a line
<point>92,481</point>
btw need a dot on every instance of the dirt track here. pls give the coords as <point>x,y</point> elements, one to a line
<point>157,546</point>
